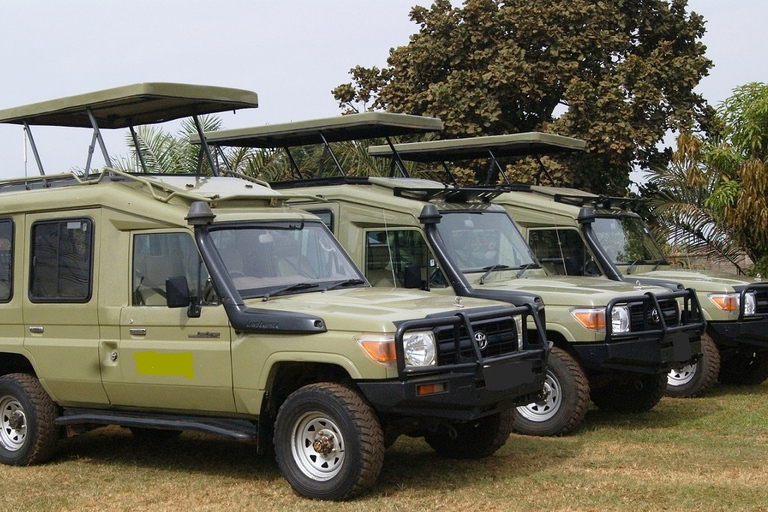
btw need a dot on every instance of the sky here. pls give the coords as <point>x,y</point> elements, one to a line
<point>291,52</point>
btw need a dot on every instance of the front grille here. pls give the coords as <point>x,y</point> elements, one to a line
<point>501,335</point>
<point>643,317</point>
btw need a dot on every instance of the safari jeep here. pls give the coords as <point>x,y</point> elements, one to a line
<point>164,303</point>
<point>578,233</point>
<point>613,342</point>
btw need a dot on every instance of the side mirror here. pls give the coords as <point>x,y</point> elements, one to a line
<point>177,296</point>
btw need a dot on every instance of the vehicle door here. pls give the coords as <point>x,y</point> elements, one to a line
<point>168,359</point>
<point>60,312</point>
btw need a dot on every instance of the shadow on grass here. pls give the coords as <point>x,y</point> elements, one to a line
<point>191,452</point>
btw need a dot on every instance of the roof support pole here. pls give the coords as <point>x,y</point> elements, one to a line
<point>397,160</point>
<point>139,152</point>
<point>97,134</point>
<point>330,152</point>
<point>204,146</point>
<point>294,165</point>
<point>34,149</point>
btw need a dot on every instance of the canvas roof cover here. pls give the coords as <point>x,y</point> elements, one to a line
<point>519,144</point>
<point>365,125</point>
<point>132,105</point>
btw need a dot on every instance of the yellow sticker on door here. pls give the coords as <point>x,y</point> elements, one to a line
<point>164,363</point>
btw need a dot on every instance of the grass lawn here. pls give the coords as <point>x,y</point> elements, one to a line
<point>698,454</point>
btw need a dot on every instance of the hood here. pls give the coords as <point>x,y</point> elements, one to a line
<point>370,309</point>
<point>702,281</point>
<point>569,290</point>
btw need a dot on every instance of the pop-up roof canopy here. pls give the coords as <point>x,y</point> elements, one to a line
<point>128,106</point>
<point>366,125</point>
<point>518,144</point>
<point>492,146</point>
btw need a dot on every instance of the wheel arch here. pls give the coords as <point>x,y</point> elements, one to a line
<point>15,363</point>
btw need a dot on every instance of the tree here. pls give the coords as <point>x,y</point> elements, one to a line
<point>619,74</point>
<point>713,195</point>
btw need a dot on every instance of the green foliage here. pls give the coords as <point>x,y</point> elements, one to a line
<point>618,74</point>
<point>730,212</point>
<point>164,152</point>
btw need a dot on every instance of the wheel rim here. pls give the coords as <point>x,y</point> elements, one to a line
<point>547,407</point>
<point>318,446</point>
<point>682,376</point>
<point>14,424</point>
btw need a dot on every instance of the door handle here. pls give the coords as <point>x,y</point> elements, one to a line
<point>37,329</point>
<point>137,332</point>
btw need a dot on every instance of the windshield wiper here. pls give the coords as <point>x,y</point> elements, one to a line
<point>525,267</point>
<point>346,282</point>
<point>492,268</point>
<point>289,288</point>
<point>632,265</point>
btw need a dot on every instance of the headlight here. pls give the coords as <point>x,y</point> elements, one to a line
<point>519,326</point>
<point>620,319</point>
<point>750,304</point>
<point>731,302</point>
<point>594,318</point>
<point>419,348</point>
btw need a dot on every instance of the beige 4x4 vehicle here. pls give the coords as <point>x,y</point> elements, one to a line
<point>578,233</point>
<point>164,303</point>
<point>613,342</point>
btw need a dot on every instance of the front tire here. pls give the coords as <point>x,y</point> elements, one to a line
<point>744,368</point>
<point>695,379</point>
<point>473,439</point>
<point>638,394</point>
<point>28,434</point>
<point>328,441</point>
<point>564,402</point>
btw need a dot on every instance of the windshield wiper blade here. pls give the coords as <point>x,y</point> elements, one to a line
<point>346,282</point>
<point>525,267</point>
<point>492,268</point>
<point>289,288</point>
<point>632,265</point>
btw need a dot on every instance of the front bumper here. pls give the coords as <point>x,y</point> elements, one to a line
<point>467,393</point>
<point>753,333</point>
<point>657,346</point>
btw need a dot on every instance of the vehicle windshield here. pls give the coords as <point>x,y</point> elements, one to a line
<point>276,258</point>
<point>480,241</point>
<point>627,241</point>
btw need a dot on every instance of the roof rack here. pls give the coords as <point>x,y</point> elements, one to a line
<point>598,202</point>
<point>492,147</point>
<point>126,107</point>
<point>366,125</point>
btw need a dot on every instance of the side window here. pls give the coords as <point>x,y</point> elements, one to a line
<point>326,216</point>
<point>6,259</point>
<point>392,255</point>
<point>563,251</point>
<point>62,261</point>
<point>160,256</point>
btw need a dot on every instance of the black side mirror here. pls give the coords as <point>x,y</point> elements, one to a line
<point>177,296</point>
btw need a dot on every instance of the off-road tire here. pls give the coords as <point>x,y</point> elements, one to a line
<point>28,433</point>
<point>473,439</point>
<point>743,369</point>
<point>695,379</point>
<point>637,394</point>
<point>332,418</point>
<point>566,396</point>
